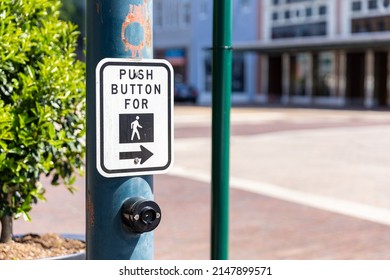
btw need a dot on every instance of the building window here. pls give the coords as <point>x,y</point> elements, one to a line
<point>299,74</point>
<point>300,30</point>
<point>275,2</point>
<point>158,13</point>
<point>323,78</point>
<point>309,12</point>
<point>287,14</point>
<point>356,6</point>
<point>386,3</point>
<point>275,16</point>
<point>322,10</point>
<point>171,14</point>
<point>204,9</point>
<point>372,4</point>
<point>381,25</point>
<point>372,24</point>
<point>238,73</point>
<point>186,13</point>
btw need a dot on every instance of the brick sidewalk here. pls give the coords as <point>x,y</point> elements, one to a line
<point>262,227</point>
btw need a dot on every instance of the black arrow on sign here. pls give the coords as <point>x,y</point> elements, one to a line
<point>144,154</point>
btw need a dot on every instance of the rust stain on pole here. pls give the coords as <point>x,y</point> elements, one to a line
<point>90,210</point>
<point>138,14</point>
<point>98,8</point>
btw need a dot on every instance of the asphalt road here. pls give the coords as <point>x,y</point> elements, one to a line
<point>305,184</point>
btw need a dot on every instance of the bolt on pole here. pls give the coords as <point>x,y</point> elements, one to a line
<point>115,29</point>
<point>222,81</point>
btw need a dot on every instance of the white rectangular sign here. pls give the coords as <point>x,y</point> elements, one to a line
<point>134,116</point>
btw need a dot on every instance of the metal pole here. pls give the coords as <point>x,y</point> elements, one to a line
<point>222,75</point>
<point>115,29</point>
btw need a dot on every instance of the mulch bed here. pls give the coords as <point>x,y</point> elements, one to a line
<point>34,246</point>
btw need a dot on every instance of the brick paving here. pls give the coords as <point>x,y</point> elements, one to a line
<point>261,227</point>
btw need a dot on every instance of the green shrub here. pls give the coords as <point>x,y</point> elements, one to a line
<point>42,107</point>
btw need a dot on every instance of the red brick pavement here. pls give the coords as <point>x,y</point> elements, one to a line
<point>263,227</point>
<point>260,227</point>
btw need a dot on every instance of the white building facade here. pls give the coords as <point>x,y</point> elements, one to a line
<point>323,52</point>
<point>300,52</point>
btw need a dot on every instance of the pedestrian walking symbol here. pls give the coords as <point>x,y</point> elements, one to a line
<point>136,128</point>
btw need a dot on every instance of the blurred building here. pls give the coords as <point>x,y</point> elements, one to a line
<point>305,52</point>
<point>183,35</point>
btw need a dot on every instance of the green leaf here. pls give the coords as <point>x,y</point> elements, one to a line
<point>51,130</point>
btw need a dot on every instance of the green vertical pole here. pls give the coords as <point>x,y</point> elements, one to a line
<point>222,75</point>
<point>115,29</point>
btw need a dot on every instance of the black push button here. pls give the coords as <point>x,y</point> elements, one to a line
<point>140,215</point>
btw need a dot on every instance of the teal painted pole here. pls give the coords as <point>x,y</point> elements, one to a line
<point>115,29</point>
<point>222,75</point>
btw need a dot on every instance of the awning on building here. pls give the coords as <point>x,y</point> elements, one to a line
<point>355,41</point>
